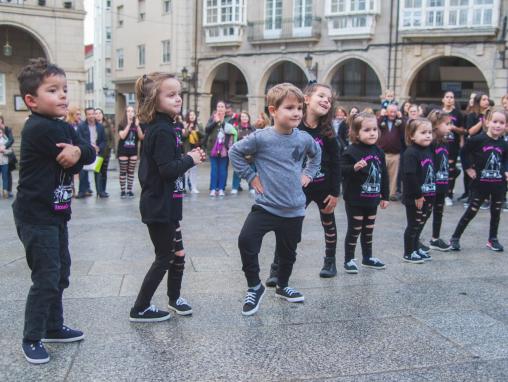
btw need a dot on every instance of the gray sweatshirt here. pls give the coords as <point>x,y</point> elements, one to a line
<point>278,159</point>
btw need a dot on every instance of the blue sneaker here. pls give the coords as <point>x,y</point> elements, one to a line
<point>63,335</point>
<point>35,352</point>
<point>252,300</point>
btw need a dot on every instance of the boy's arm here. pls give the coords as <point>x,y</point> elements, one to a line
<point>170,167</point>
<point>87,152</point>
<point>314,155</point>
<point>237,153</point>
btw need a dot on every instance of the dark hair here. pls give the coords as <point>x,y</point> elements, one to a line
<point>90,108</point>
<point>98,108</point>
<point>33,75</point>
<point>325,121</point>
<point>124,122</point>
<point>411,127</point>
<point>476,102</point>
<point>437,117</point>
<point>403,107</point>
<point>356,124</point>
<point>187,120</point>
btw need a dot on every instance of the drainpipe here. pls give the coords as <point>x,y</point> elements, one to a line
<point>196,64</point>
<point>396,48</point>
<point>390,43</point>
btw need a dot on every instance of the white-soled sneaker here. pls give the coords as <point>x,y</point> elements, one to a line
<point>180,306</point>
<point>289,294</point>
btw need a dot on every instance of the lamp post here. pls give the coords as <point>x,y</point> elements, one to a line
<point>7,48</point>
<point>312,69</point>
<point>189,79</point>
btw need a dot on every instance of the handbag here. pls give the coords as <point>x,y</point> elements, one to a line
<point>13,161</point>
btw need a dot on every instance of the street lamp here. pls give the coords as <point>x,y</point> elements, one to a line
<point>313,69</point>
<point>7,49</point>
<point>189,79</point>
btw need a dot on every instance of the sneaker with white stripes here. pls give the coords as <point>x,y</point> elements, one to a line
<point>289,294</point>
<point>180,306</point>
<point>424,255</point>
<point>373,262</point>
<point>351,267</point>
<point>252,300</point>
<point>413,258</point>
<point>150,314</point>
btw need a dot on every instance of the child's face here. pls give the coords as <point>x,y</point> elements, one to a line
<point>354,111</point>
<point>340,114</point>
<point>369,132</point>
<point>192,116</point>
<point>244,118</point>
<point>169,100</point>
<point>497,125</point>
<point>289,114</point>
<point>319,102</point>
<point>389,96</point>
<point>444,128</point>
<point>423,135</point>
<point>51,98</point>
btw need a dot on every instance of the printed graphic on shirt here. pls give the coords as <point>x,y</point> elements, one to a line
<point>371,188</point>
<point>492,170</point>
<point>62,195</point>
<point>130,142</point>
<point>429,185</point>
<point>179,186</point>
<point>443,171</point>
<point>297,155</point>
<point>319,176</point>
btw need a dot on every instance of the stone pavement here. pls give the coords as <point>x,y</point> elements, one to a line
<point>442,321</point>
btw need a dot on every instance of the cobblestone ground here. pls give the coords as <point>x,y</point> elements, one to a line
<point>445,320</point>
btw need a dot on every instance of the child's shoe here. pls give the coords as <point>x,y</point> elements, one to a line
<point>35,352</point>
<point>413,258</point>
<point>439,245</point>
<point>180,306</point>
<point>65,334</point>
<point>252,300</point>
<point>373,262</point>
<point>123,195</point>
<point>454,244</point>
<point>271,281</point>
<point>423,255</point>
<point>494,245</point>
<point>289,294</point>
<point>329,267</point>
<point>423,247</point>
<point>351,267</point>
<point>130,194</point>
<point>150,314</point>
<point>213,193</point>
<point>448,201</point>
<point>222,193</point>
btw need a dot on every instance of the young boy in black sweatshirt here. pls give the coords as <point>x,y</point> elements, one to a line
<point>51,153</point>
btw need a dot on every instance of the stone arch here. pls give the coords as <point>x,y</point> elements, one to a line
<point>269,70</point>
<point>34,34</point>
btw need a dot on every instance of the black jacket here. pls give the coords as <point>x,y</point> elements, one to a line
<point>160,170</point>
<point>45,188</point>
<point>84,133</point>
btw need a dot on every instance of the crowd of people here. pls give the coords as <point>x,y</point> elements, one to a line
<point>306,153</point>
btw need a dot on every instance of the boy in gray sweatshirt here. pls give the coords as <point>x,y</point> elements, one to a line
<point>279,152</point>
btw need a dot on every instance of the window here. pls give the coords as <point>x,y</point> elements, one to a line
<point>435,13</point>
<point>347,17</point>
<point>457,15</point>
<point>141,10</point>
<point>141,55</point>
<point>482,12</point>
<point>412,16</point>
<point>2,88</point>
<point>302,13</point>
<point>166,51</point>
<point>225,11</point>
<point>338,6</point>
<point>166,7</point>
<point>108,33</point>
<point>119,16</point>
<point>119,58</point>
<point>273,15</point>
<point>108,4</point>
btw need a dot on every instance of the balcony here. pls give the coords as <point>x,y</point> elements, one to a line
<point>279,31</point>
<point>62,4</point>
<point>225,34</point>
<point>351,27</point>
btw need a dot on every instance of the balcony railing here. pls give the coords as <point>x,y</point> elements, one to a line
<point>224,34</point>
<point>284,30</point>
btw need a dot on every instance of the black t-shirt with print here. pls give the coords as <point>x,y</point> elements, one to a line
<point>418,173</point>
<point>441,156</point>
<point>454,138</point>
<point>129,145</point>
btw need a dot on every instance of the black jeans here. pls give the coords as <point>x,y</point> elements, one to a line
<point>360,221</point>
<point>288,233</point>
<point>437,215</point>
<point>104,173</point>
<point>48,257</point>
<point>416,220</point>
<point>162,236</point>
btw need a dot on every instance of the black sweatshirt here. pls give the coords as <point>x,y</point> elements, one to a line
<point>369,185</point>
<point>45,188</point>
<point>441,156</point>
<point>161,169</point>
<point>489,157</point>
<point>327,179</point>
<point>418,174</point>
<point>454,138</point>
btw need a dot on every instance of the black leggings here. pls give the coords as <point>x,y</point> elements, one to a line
<point>453,174</point>
<point>416,220</point>
<point>360,221</point>
<point>437,218</point>
<point>327,221</point>
<point>127,168</point>
<point>477,198</point>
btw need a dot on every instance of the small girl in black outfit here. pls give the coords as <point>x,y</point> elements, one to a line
<point>365,186</point>
<point>486,162</point>
<point>441,128</point>
<point>419,186</point>
<point>161,172</point>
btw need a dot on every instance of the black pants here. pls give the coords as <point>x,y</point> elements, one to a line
<point>104,173</point>
<point>163,236</point>
<point>437,217</point>
<point>453,174</point>
<point>477,198</point>
<point>288,232</point>
<point>360,222</point>
<point>48,257</point>
<point>416,220</point>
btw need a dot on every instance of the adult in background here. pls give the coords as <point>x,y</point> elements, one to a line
<point>91,132</point>
<point>391,142</point>
<point>193,133</point>
<point>12,157</point>
<point>110,140</point>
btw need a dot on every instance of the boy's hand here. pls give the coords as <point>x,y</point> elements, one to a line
<point>305,180</point>
<point>256,185</point>
<point>384,204</point>
<point>330,204</point>
<point>419,202</point>
<point>471,172</point>
<point>359,165</point>
<point>69,155</point>
<point>196,156</point>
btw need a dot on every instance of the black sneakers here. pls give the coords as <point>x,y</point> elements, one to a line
<point>439,245</point>
<point>373,263</point>
<point>289,294</point>
<point>351,267</point>
<point>494,245</point>
<point>454,244</point>
<point>329,268</point>
<point>130,194</point>
<point>413,258</point>
<point>65,334</point>
<point>271,281</point>
<point>35,352</point>
<point>123,195</point>
<point>252,300</point>
<point>423,247</point>
<point>150,314</point>
<point>424,255</point>
<point>180,306</point>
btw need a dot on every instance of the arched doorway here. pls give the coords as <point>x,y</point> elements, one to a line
<point>445,74</point>
<point>229,84</point>
<point>286,71</point>
<point>355,82</point>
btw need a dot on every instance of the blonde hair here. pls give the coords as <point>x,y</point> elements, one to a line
<point>356,124</point>
<point>72,117</point>
<point>494,110</point>
<point>437,117</point>
<point>147,90</point>
<point>278,93</point>
<point>412,126</point>
<point>262,121</point>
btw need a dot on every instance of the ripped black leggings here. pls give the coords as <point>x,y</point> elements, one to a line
<point>453,174</point>
<point>437,215</point>
<point>477,198</point>
<point>416,219</point>
<point>360,222</point>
